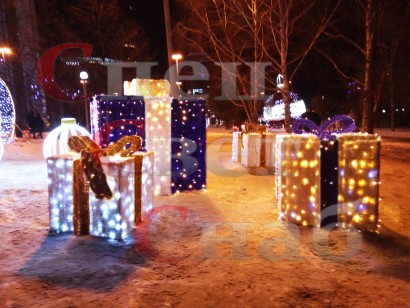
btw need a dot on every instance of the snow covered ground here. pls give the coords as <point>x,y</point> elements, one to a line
<point>208,248</point>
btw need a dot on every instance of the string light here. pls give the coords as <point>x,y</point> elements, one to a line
<point>115,116</point>
<point>359,161</point>
<point>188,133</point>
<point>7,112</point>
<point>298,178</point>
<point>147,87</point>
<point>113,218</point>
<point>277,112</point>
<point>1,145</point>
<point>356,186</point>
<point>158,133</point>
<point>60,183</point>
<point>56,142</point>
<point>170,127</point>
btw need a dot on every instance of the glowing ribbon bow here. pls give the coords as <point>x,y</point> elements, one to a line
<point>90,159</point>
<point>339,124</point>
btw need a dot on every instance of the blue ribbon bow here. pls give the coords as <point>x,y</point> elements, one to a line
<point>325,131</point>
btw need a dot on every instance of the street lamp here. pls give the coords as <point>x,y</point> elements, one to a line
<point>176,57</point>
<point>84,77</point>
<point>5,51</point>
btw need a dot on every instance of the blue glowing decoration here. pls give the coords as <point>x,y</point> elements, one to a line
<point>7,113</point>
<point>188,133</point>
<point>115,116</point>
<point>326,131</point>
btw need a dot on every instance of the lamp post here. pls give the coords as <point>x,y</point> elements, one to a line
<point>5,51</point>
<point>176,57</point>
<point>84,79</point>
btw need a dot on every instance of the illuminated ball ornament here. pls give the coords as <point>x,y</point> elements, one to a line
<point>7,113</point>
<point>57,140</point>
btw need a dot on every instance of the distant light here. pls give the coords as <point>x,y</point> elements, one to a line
<point>384,110</point>
<point>402,109</point>
<point>176,56</point>
<point>5,51</point>
<point>84,75</point>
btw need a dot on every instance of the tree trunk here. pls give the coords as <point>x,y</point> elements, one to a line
<point>368,119</point>
<point>391,97</point>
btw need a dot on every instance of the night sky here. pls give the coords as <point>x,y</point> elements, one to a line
<point>150,15</point>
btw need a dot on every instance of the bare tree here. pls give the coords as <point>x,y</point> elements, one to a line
<point>103,24</point>
<point>259,33</point>
<point>381,23</point>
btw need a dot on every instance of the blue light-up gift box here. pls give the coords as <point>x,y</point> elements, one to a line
<point>174,129</point>
<point>188,133</point>
<point>115,116</point>
<point>332,180</point>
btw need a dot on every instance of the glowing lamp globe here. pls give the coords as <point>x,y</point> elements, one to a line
<point>1,145</point>
<point>1,149</point>
<point>7,113</point>
<point>56,142</point>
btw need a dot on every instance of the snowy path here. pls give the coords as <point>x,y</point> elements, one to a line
<point>261,263</point>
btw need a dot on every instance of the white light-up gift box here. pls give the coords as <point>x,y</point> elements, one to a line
<point>68,195</point>
<point>131,182</point>
<point>255,149</point>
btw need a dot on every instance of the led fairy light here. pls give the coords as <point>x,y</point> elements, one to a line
<point>251,152</point>
<point>298,167</point>
<point>116,218</point>
<point>147,87</point>
<point>1,145</point>
<point>7,112</point>
<point>57,140</point>
<point>116,116</point>
<point>237,147</point>
<point>277,112</point>
<point>188,164</point>
<point>359,160</point>
<point>158,136</point>
<point>60,188</point>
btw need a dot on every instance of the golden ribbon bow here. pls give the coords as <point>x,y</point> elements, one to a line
<point>90,159</point>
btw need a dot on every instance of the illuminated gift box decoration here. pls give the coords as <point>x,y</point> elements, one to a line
<point>236,147</point>
<point>1,149</point>
<point>147,87</point>
<point>131,182</point>
<point>251,151</point>
<point>7,113</point>
<point>68,195</point>
<point>328,180</point>
<point>358,183</point>
<point>188,133</point>
<point>158,139</point>
<point>56,142</point>
<point>257,148</point>
<point>113,117</point>
<point>175,130</point>
<point>270,142</point>
<point>298,178</point>
<point>1,145</point>
<point>73,205</point>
